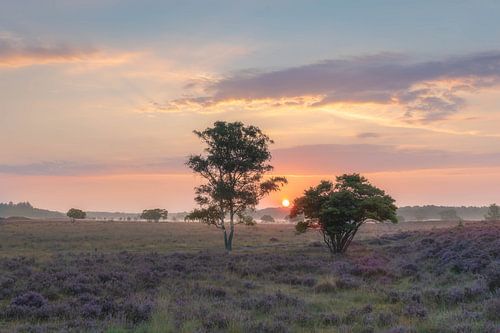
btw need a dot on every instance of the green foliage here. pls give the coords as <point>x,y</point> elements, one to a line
<point>267,218</point>
<point>246,220</point>
<point>234,164</point>
<point>338,210</point>
<point>154,214</point>
<point>493,213</point>
<point>75,214</point>
<point>210,215</point>
<point>301,227</point>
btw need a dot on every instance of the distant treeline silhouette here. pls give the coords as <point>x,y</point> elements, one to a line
<point>25,209</point>
<point>432,212</point>
<point>408,213</point>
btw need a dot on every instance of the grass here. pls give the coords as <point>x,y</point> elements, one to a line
<point>42,239</point>
<point>175,277</point>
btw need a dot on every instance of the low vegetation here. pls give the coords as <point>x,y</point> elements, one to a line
<point>439,280</point>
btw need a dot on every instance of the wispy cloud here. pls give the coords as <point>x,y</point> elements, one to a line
<point>71,168</point>
<point>308,159</point>
<point>427,91</point>
<point>338,158</point>
<point>17,51</point>
<point>368,135</point>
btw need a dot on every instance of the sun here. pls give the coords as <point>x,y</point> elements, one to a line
<point>285,203</point>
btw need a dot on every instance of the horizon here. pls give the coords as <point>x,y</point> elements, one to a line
<point>100,98</point>
<point>186,211</point>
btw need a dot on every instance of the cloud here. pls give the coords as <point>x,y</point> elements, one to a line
<point>69,168</point>
<point>16,51</point>
<point>368,135</point>
<point>340,158</point>
<point>300,160</point>
<point>427,91</point>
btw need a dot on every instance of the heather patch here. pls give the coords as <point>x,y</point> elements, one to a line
<point>434,281</point>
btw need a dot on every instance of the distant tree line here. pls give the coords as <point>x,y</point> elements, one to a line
<point>432,212</point>
<point>25,209</point>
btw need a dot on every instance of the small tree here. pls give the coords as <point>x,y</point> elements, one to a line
<point>267,218</point>
<point>493,213</point>
<point>234,164</point>
<point>246,220</point>
<point>154,214</point>
<point>75,214</point>
<point>338,210</point>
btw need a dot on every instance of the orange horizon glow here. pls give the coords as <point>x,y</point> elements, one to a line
<point>134,192</point>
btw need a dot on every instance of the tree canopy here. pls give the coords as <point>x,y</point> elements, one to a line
<point>234,163</point>
<point>154,214</point>
<point>267,218</point>
<point>75,214</point>
<point>338,210</point>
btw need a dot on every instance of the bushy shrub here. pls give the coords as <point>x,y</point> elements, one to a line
<point>6,285</point>
<point>215,292</point>
<point>266,303</point>
<point>268,327</point>
<point>216,320</point>
<point>415,310</point>
<point>493,276</point>
<point>329,319</point>
<point>401,329</point>
<point>386,319</point>
<point>492,309</point>
<point>137,311</point>
<point>30,299</point>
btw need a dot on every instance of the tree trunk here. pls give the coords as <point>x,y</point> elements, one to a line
<point>228,239</point>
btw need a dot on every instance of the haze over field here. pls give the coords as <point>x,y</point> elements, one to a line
<point>99,98</point>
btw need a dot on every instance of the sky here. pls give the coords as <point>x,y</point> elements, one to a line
<point>99,98</point>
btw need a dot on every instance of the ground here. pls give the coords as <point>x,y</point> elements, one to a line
<point>175,277</point>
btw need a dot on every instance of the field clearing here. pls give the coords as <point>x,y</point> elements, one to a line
<point>42,238</point>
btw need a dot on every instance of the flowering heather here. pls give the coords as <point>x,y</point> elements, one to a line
<point>438,281</point>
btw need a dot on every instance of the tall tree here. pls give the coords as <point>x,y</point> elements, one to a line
<point>234,164</point>
<point>338,210</point>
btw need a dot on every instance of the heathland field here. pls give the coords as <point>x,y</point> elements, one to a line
<point>175,277</point>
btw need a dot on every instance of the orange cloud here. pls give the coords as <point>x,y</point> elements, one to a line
<point>16,52</point>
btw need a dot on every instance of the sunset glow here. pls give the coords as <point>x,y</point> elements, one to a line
<point>101,115</point>
<point>285,203</point>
